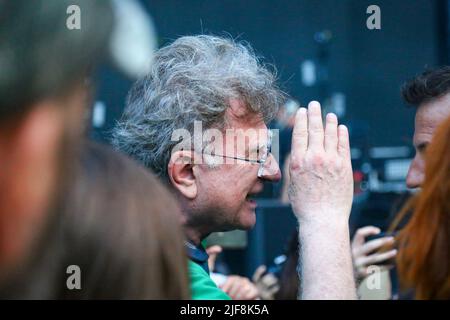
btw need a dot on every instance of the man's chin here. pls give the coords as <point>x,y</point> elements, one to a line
<point>248,219</point>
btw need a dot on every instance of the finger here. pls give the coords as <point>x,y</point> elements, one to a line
<point>300,133</point>
<point>315,126</point>
<point>226,286</point>
<point>253,293</point>
<point>362,233</point>
<point>274,289</point>
<point>239,295</point>
<point>230,284</point>
<point>376,244</point>
<point>367,231</point>
<point>214,250</point>
<point>331,134</point>
<point>344,144</point>
<point>248,292</point>
<point>235,292</point>
<point>361,271</point>
<point>378,258</point>
<point>212,263</point>
<point>258,273</point>
<point>236,287</point>
<point>269,281</point>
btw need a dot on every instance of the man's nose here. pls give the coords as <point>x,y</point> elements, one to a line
<point>271,170</point>
<point>415,176</point>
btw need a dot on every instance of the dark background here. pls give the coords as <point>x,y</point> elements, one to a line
<point>368,66</point>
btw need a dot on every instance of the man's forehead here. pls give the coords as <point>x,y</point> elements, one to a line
<point>433,112</point>
<point>429,116</point>
<point>240,115</point>
<point>245,126</point>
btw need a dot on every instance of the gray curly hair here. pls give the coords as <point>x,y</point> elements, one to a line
<point>192,79</point>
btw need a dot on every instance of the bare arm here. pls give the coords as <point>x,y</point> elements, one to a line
<point>321,193</point>
<point>326,270</point>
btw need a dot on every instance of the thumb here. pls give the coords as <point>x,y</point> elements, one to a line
<point>258,273</point>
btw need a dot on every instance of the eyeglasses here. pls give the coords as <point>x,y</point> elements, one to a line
<point>267,164</point>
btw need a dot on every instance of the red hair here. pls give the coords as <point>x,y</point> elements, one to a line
<point>423,258</point>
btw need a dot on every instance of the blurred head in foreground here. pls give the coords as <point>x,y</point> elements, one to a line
<point>43,99</point>
<point>424,244</point>
<point>120,227</point>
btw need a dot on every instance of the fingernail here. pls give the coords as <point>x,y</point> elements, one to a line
<point>314,105</point>
<point>302,110</point>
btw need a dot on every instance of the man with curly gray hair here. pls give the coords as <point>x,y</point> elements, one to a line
<point>218,87</point>
<point>217,83</point>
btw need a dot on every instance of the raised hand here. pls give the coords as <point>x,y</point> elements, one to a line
<point>321,184</point>
<point>321,193</point>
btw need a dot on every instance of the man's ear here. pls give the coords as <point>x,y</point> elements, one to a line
<point>181,174</point>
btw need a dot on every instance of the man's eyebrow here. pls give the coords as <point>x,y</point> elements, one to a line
<point>422,146</point>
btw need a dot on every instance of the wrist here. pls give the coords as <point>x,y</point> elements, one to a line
<point>325,222</point>
<point>334,233</point>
